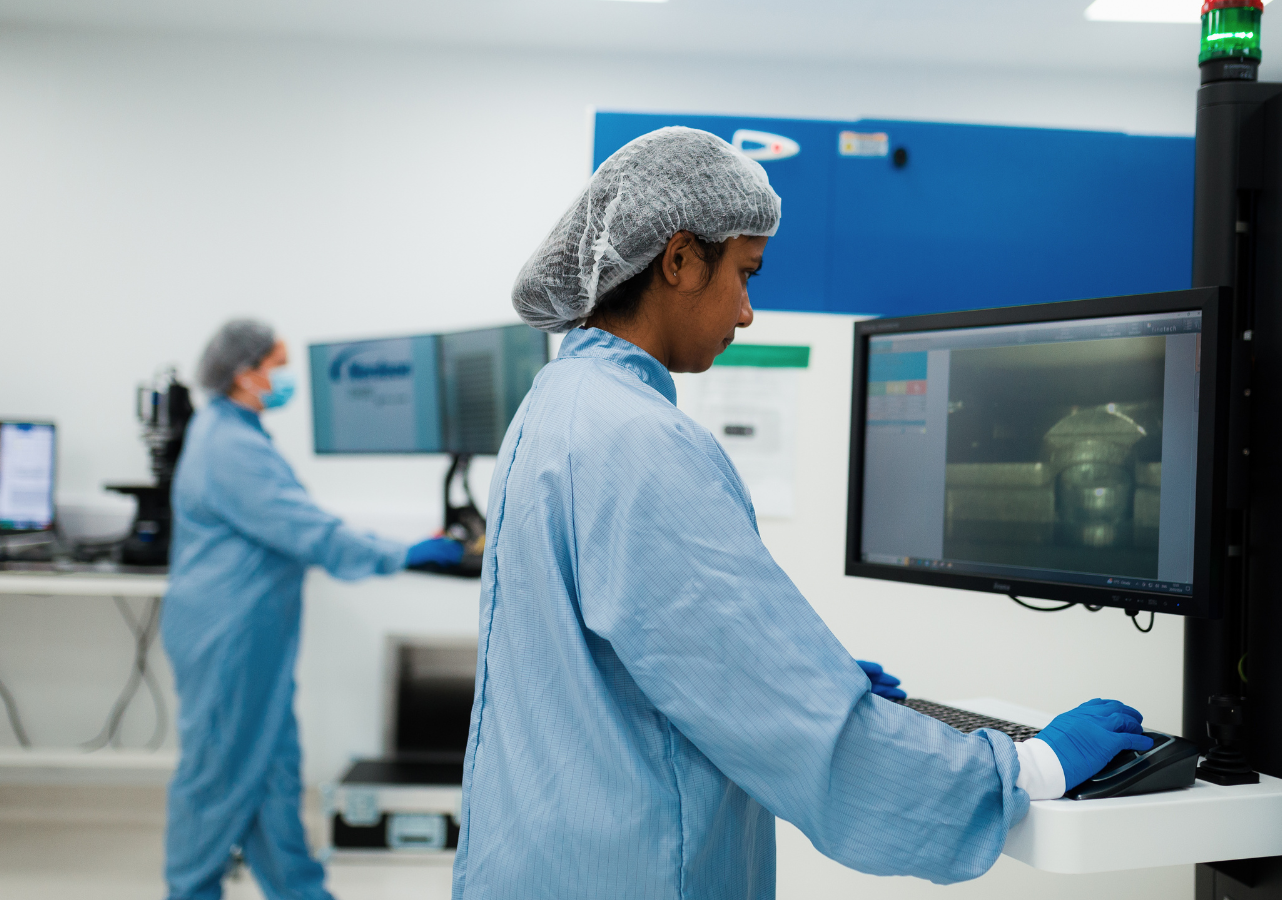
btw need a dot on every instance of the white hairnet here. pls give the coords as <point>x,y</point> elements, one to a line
<point>670,180</point>
<point>238,345</point>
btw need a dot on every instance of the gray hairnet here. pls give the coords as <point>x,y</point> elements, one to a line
<point>670,180</point>
<point>240,344</point>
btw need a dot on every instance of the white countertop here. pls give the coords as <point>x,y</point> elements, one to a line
<point>1202,823</point>
<point>82,583</point>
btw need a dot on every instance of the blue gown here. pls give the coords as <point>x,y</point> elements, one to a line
<point>653,690</point>
<point>244,534</point>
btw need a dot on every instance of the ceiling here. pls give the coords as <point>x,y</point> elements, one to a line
<point>1031,35</point>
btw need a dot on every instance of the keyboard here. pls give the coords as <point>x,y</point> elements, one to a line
<point>966,721</point>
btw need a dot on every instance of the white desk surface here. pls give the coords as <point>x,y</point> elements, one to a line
<point>82,584</point>
<point>1202,823</point>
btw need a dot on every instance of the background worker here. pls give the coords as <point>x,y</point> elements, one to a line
<point>245,532</point>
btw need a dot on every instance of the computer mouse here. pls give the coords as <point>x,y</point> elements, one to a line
<point>1171,763</point>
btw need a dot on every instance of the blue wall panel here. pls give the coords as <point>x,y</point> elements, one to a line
<point>979,216</point>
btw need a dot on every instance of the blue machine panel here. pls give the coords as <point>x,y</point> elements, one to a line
<point>975,216</point>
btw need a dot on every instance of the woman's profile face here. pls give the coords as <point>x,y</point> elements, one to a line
<point>708,319</point>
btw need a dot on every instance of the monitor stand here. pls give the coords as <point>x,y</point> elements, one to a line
<point>463,522</point>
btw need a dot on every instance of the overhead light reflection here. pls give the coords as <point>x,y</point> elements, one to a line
<point>1163,11</point>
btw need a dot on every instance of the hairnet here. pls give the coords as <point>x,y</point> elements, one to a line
<point>670,180</point>
<point>240,344</point>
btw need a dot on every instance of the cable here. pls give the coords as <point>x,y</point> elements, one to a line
<point>1135,620</point>
<point>1092,608</point>
<point>153,686</point>
<point>15,721</point>
<point>144,633</point>
<point>142,640</point>
<point>1041,608</point>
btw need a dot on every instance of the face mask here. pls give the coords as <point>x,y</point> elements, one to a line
<point>282,380</point>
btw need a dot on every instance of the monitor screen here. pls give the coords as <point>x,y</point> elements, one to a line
<point>1018,456</point>
<point>26,476</point>
<point>435,393</point>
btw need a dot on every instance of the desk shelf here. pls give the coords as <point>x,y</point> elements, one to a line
<point>82,584</point>
<point>1203,823</point>
<point>109,765</point>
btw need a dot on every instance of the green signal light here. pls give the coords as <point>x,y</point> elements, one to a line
<point>1231,30</point>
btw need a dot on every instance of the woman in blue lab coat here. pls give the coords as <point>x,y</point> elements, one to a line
<point>652,689</point>
<point>244,534</point>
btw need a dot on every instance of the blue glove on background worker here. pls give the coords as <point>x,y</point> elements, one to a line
<point>1086,738</point>
<point>883,683</point>
<point>441,551</point>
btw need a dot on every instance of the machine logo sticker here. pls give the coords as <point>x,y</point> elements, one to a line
<point>358,370</point>
<point>372,394</point>
<point>764,146</point>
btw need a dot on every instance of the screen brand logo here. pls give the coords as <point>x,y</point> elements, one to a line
<point>998,586</point>
<point>358,369</point>
<point>764,146</point>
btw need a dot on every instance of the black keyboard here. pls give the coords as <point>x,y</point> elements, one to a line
<point>966,721</point>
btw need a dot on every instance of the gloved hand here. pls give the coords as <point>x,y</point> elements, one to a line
<point>1086,738</point>
<point>883,685</point>
<point>441,551</point>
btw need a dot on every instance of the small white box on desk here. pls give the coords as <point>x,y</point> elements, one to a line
<point>1203,823</point>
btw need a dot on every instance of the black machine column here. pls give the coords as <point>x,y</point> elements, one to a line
<point>1232,665</point>
<point>1237,239</point>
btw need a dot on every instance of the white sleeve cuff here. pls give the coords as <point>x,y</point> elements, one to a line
<point>1040,773</point>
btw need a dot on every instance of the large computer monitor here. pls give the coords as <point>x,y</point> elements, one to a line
<point>27,462</point>
<point>1069,451</point>
<point>435,393</point>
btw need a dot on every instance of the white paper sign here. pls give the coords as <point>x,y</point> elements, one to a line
<point>752,411</point>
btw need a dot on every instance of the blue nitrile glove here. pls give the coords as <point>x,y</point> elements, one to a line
<point>1086,738</point>
<point>441,551</point>
<point>883,685</point>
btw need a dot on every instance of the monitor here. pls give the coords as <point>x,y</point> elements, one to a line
<point>1068,451</point>
<point>434,393</point>
<point>27,462</point>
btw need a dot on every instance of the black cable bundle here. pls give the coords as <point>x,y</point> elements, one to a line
<point>144,633</point>
<point>15,721</point>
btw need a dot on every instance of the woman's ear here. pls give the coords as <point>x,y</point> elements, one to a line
<point>680,260</point>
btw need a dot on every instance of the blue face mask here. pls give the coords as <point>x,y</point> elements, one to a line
<point>282,388</point>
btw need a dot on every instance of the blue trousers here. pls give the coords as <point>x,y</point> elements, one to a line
<point>199,835</point>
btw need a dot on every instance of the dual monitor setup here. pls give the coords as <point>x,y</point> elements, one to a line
<point>435,393</point>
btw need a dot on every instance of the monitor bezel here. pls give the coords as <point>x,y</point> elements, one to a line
<point>53,481</point>
<point>1212,461</point>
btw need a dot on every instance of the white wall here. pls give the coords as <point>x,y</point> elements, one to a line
<point>150,188</point>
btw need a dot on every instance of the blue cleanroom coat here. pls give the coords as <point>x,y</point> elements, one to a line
<point>244,534</point>
<point>652,689</point>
